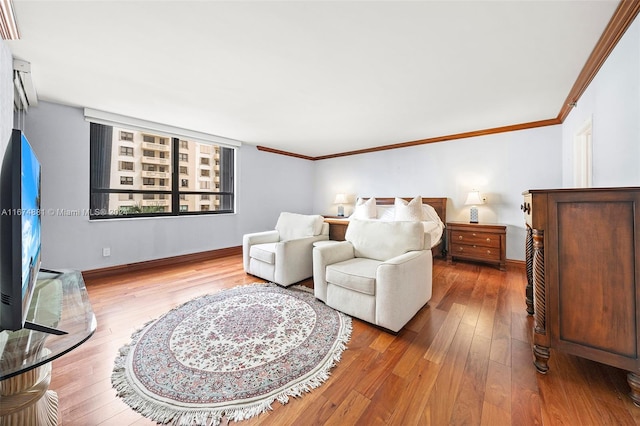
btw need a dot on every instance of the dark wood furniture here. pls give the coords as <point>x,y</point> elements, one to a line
<point>481,242</point>
<point>583,276</point>
<point>338,226</point>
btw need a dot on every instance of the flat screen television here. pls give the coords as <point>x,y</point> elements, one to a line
<point>20,223</point>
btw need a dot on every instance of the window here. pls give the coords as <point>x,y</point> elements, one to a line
<point>163,186</point>
<point>125,165</point>
<point>204,160</point>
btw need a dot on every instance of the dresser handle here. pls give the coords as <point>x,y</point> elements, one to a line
<point>488,240</point>
<point>460,237</point>
<point>473,233</point>
<point>488,251</point>
<point>460,249</point>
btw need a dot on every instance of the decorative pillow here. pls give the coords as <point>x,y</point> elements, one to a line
<point>411,211</point>
<point>292,226</point>
<point>365,209</point>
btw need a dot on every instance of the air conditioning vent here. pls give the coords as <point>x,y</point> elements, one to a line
<point>25,92</point>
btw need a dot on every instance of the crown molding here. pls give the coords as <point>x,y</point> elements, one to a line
<point>622,18</point>
<point>8,26</point>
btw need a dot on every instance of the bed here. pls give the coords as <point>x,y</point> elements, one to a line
<point>384,207</point>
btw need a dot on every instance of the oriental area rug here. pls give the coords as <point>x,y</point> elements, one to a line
<point>230,355</point>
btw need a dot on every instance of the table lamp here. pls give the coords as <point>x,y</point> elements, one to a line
<point>473,200</point>
<point>341,199</point>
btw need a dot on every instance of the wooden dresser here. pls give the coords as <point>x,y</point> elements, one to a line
<point>583,276</point>
<point>481,242</point>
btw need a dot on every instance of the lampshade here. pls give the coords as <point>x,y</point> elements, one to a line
<point>473,199</point>
<point>341,199</point>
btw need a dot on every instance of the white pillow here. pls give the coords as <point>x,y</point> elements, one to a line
<point>365,209</point>
<point>411,211</point>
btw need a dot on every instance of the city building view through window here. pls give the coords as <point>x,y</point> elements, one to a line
<point>140,173</point>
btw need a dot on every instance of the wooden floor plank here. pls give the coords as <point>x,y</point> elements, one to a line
<point>464,359</point>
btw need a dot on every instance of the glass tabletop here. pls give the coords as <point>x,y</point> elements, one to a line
<point>60,301</point>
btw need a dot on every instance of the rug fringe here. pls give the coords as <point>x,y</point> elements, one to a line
<point>213,416</point>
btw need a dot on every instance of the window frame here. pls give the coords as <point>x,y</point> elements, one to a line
<point>176,194</point>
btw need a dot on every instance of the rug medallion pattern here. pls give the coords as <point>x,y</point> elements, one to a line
<point>230,354</point>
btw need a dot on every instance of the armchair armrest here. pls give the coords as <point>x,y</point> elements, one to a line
<point>249,240</point>
<point>323,256</point>
<point>294,259</point>
<point>405,280</point>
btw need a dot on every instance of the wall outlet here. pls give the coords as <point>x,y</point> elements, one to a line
<point>106,252</point>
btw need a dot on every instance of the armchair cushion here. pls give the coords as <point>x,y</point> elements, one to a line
<point>264,252</point>
<point>292,226</point>
<point>355,274</point>
<point>384,240</point>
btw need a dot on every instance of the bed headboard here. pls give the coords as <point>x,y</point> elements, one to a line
<point>438,203</point>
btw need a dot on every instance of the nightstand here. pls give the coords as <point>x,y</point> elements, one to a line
<point>337,227</point>
<point>482,242</point>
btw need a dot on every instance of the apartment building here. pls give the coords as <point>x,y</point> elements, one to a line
<point>143,171</point>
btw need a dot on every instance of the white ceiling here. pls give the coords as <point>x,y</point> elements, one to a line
<point>312,77</point>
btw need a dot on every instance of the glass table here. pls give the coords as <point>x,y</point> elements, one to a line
<point>60,301</point>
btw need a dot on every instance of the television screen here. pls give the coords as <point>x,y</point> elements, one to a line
<point>20,230</point>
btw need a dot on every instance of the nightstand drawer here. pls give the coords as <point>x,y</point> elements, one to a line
<point>475,251</point>
<point>475,238</point>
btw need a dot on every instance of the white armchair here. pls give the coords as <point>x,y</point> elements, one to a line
<point>381,274</point>
<point>283,256</point>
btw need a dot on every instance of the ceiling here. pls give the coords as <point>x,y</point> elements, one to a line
<point>313,78</point>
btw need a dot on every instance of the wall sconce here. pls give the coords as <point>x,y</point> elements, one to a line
<point>341,199</point>
<point>473,200</point>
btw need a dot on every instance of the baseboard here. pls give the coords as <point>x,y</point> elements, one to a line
<point>156,263</point>
<point>516,263</point>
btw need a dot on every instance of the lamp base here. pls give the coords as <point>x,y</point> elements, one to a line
<point>473,215</point>
<point>340,210</point>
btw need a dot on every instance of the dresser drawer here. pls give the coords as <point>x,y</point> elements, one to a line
<point>484,239</point>
<point>475,251</point>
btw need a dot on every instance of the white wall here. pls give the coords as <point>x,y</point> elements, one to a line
<point>612,101</point>
<point>501,166</point>
<point>60,138</point>
<point>6,96</point>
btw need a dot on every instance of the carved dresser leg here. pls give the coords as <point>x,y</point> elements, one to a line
<point>529,264</point>
<point>541,362</point>
<point>634,383</point>
<point>540,337</point>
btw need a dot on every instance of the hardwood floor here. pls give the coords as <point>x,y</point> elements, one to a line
<point>464,359</point>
